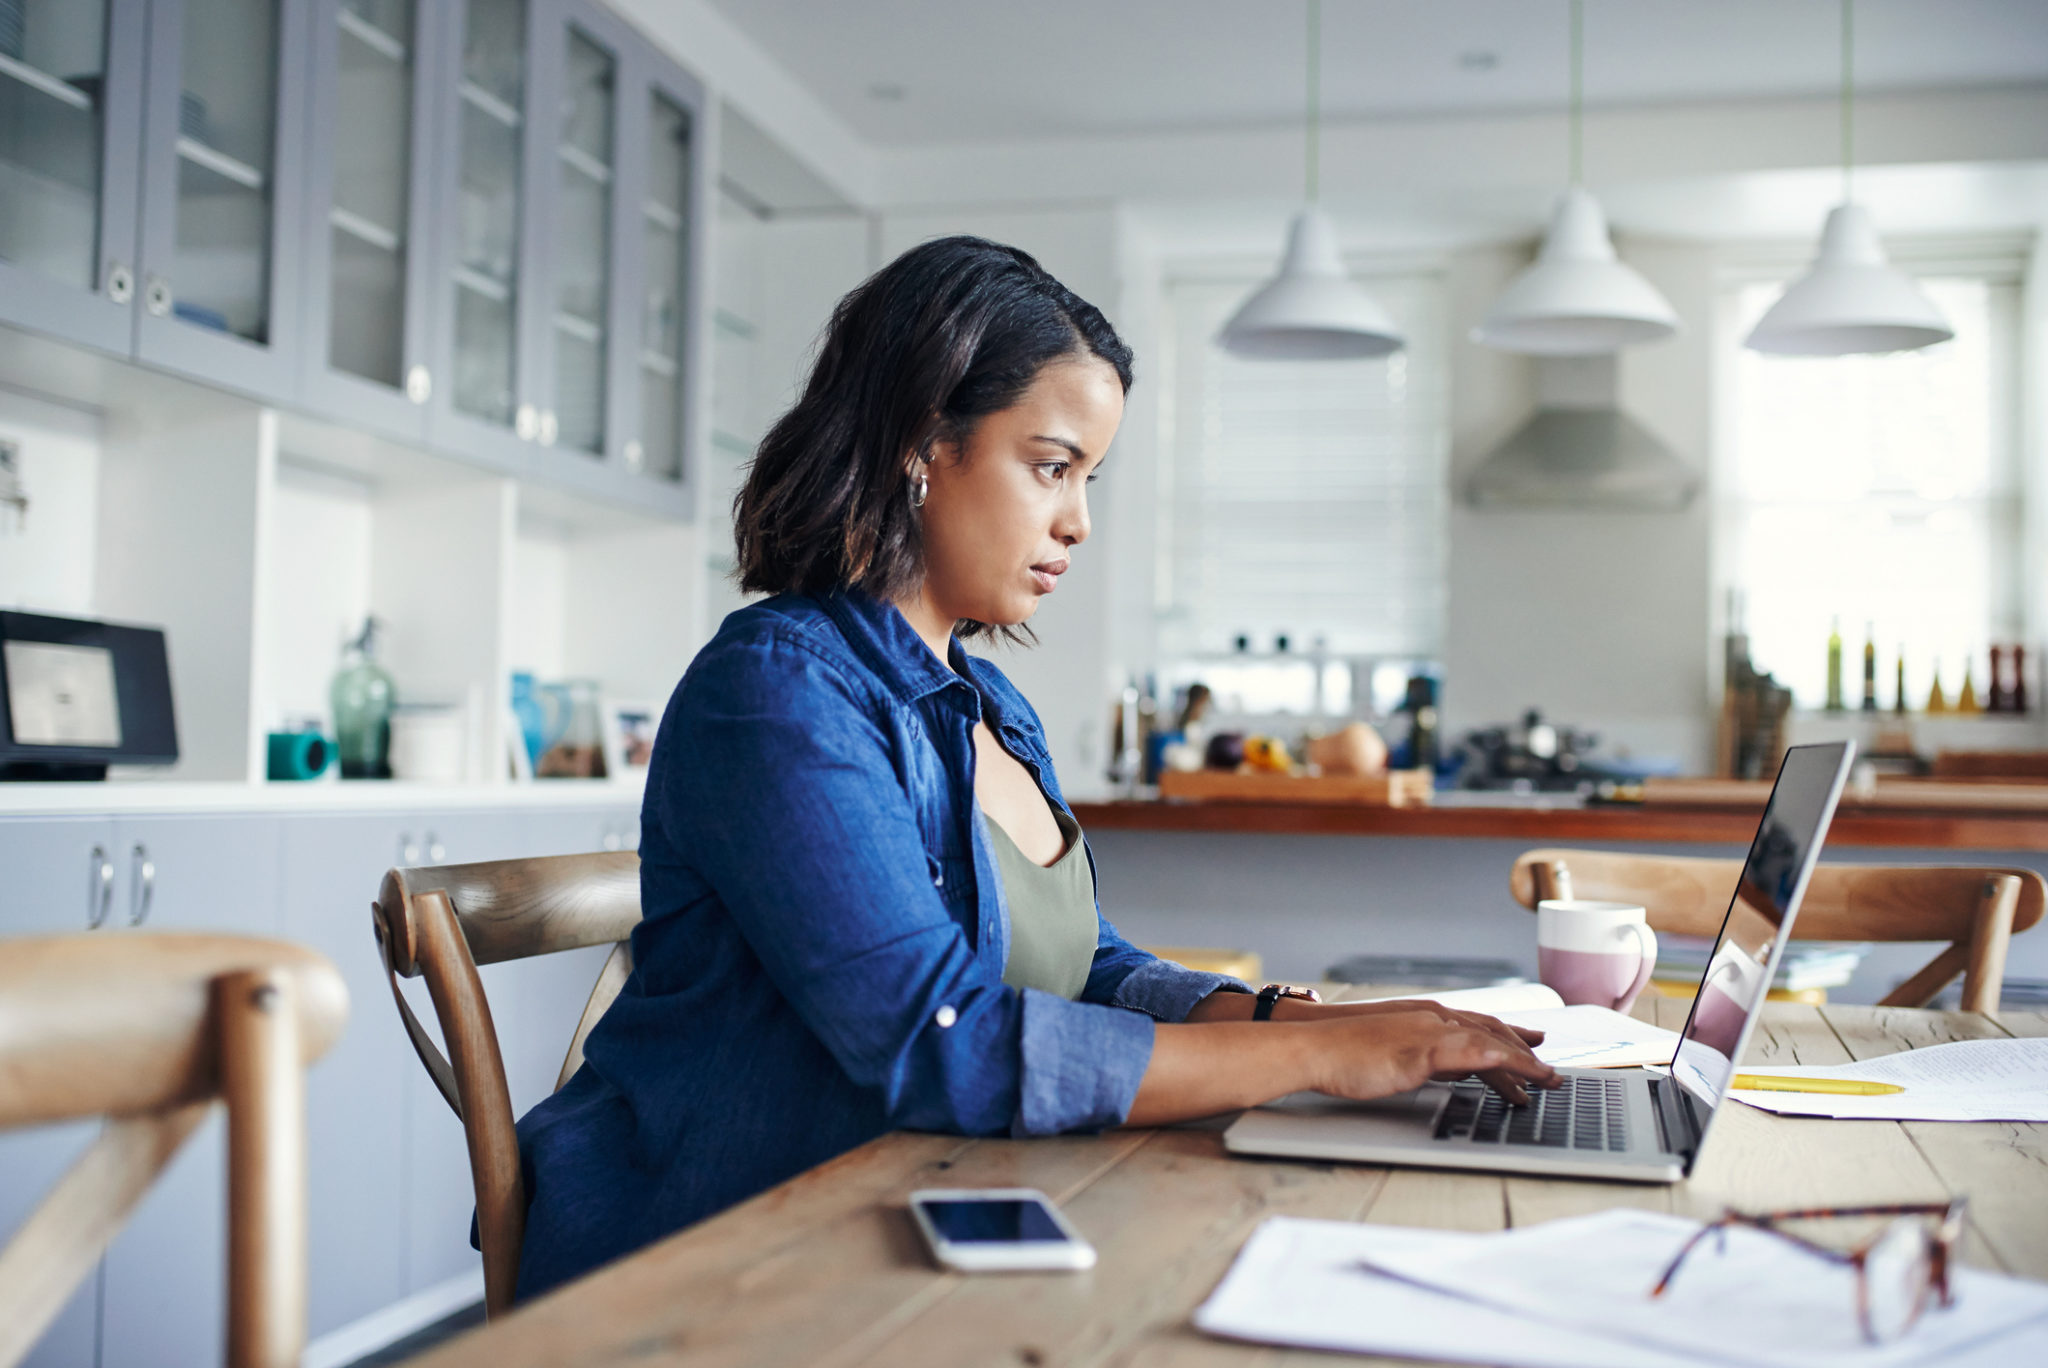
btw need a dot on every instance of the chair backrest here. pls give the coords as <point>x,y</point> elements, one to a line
<point>440,922</point>
<point>147,1029</point>
<point>1977,910</point>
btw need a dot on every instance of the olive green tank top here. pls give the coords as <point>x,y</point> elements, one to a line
<point>1053,925</point>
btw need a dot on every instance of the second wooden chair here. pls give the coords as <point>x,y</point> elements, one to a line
<point>1977,910</point>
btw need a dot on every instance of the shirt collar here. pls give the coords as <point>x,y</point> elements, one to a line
<point>891,647</point>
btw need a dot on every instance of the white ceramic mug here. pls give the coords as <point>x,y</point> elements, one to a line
<point>1594,952</point>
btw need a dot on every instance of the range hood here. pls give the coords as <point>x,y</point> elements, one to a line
<point>1580,451</point>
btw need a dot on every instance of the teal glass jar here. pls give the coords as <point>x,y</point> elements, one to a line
<point>362,695</point>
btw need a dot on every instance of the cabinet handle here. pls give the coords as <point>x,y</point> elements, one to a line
<point>408,850</point>
<point>526,422</point>
<point>635,454</point>
<point>142,892</point>
<point>419,384</point>
<point>156,297</point>
<point>120,283</point>
<point>548,427</point>
<point>436,852</point>
<point>612,839</point>
<point>99,889</point>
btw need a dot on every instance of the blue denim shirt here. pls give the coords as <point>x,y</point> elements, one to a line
<point>822,953</point>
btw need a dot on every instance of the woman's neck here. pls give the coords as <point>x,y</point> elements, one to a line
<point>933,627</point>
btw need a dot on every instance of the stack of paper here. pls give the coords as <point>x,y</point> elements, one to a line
<point>1970,1080</point>
<point>1575,1294</point>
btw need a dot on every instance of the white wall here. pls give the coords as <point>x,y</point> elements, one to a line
<point>46,564</point>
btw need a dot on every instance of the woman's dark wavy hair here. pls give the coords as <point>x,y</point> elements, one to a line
<point>949,332</point>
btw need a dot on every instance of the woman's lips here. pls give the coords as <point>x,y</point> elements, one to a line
<point>1047,576</point>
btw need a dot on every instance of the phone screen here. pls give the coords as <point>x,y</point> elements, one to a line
<point>996,1220</point>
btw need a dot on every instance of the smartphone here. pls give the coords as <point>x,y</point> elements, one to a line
<point>991,1230</point>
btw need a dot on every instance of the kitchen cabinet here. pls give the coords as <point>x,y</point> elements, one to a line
<point>166,1271</point>
<point>70,130</point>
<point>471,225</point>
<point>370,206</point>
<point>61,877</point>
<point>222,193</point>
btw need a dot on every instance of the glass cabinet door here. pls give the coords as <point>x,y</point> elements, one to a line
<point>70,87</point>
<point>665,294</point>
<point>366,339</point>
<point>582,258</point>
<point>220,205</point>
<point>487,231</point>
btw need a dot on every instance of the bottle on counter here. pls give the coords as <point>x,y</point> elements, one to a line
<point>1899,704</point>
<point>362,695</point>
<point>1870,667</point>
<point>1834,703</point>
<point>2019,679</point>
<point>1937,701</point>
<point>1998,700</point>
<point>1966,700</point>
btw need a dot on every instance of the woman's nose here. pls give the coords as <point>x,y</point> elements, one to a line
<point>1073,525</point>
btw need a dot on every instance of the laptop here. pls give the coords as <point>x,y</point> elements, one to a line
<point>1636,1125</point>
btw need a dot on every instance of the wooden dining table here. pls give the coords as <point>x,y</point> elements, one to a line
<point>826,1269</point>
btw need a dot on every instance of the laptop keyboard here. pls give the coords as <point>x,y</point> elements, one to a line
<point>1582,1114</point>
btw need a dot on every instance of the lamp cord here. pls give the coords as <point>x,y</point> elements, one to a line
<point>1315,93</point>
<point>1848,92</point>
<point>1578,81</point>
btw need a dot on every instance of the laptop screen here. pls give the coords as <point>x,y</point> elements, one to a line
<point>1739,971</point>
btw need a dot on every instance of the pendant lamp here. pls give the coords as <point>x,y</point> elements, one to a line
<point>1578,299</point>
<point>1852,300</point>
<point>1312,310</point>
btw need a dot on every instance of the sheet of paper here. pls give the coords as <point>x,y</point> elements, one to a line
<point>1306,1284</point>
<point>1579,1037</point>
<point>1969,1080</point>
<point>1303,1283</point>
<point>1594,1274</point>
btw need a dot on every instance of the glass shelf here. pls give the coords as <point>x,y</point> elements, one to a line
<point>14,69</point>
<point>476,282</point>
<point>196,153</point>
<point>488,105</point>
<point>370,36</point>
<point>655,362</point>
<point>586,165</point>
<point>582,329</point>
<point>365,232</point>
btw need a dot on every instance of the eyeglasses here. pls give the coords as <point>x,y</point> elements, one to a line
<point>1896,1269</point>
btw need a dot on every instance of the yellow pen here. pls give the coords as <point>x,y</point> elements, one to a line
<point>1781,1083</point>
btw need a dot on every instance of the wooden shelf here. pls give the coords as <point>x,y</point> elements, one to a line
<point>1661,825</point>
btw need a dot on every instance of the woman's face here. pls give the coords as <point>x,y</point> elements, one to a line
<point>1007,506</point>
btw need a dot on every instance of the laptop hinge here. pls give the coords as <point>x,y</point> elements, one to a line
<point>1678,1122</point>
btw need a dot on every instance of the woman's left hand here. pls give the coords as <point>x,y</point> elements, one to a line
<point>1236,1006</point>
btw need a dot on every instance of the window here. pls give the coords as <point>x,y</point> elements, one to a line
<point>1303,498</point>
<point>1880,491</point>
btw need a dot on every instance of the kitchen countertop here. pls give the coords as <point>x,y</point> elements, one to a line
<point>1568,820</point>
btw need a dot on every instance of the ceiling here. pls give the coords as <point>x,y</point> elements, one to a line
<point>909,72</point>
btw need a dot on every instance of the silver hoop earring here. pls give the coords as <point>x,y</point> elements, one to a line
<point>919,490</point>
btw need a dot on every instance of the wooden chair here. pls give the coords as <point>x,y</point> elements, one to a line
<point>1977,911</point>
<point>148,1030</point>
<point>440,923</point>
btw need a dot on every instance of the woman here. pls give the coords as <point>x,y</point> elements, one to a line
<point>867,906</point>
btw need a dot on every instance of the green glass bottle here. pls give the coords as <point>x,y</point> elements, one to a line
<point>1834,703</point>
<point>362,695</point>
<point>1870,667</point>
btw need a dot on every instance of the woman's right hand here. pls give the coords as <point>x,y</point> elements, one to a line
<point>1378,1055</point>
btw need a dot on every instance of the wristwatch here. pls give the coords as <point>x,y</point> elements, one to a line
<point>1270,995</point>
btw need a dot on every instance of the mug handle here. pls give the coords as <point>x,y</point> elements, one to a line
<point>1647,940</point>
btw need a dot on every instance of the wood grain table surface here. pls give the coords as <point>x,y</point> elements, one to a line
<point>826,1269</point>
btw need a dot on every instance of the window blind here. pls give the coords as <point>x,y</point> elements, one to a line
<point>1307,498</point>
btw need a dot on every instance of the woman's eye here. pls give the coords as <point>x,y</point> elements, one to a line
<point>1055,470</point>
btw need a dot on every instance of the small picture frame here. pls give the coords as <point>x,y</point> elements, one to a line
<point>629,736</point>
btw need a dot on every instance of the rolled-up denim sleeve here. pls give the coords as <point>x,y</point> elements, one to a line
<point>790,804</point>
<point>1138,980</point>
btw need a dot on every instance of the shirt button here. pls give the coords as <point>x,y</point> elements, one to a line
<point>945,1016</point>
